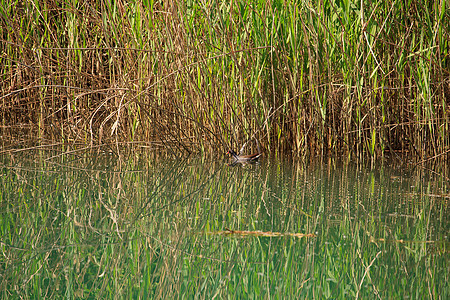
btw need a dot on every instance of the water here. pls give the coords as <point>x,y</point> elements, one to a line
<point>89,225</point>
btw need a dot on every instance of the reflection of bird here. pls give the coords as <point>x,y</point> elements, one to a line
<point>243,158</point>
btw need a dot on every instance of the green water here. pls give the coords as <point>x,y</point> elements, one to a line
<point>97,226</point>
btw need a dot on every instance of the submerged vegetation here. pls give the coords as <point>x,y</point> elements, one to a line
<point>355,77</point>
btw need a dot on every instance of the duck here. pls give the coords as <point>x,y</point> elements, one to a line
<point>243,158</point>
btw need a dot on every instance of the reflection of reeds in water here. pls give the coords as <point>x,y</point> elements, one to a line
<point>105,226</point>
<point>195,78</point>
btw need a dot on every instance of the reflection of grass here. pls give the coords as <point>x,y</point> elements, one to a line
<point>139,230</point>
<point>194,77</point>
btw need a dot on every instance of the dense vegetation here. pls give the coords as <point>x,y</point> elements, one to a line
<point>321,77</point>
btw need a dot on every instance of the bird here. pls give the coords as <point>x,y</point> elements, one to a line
<point>243,158</point>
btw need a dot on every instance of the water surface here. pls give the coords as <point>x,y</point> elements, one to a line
<point>98,225</point>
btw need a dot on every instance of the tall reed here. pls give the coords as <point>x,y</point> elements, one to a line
<point>304,78</point>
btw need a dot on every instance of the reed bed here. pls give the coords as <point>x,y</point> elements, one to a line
<point>303,78</point>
